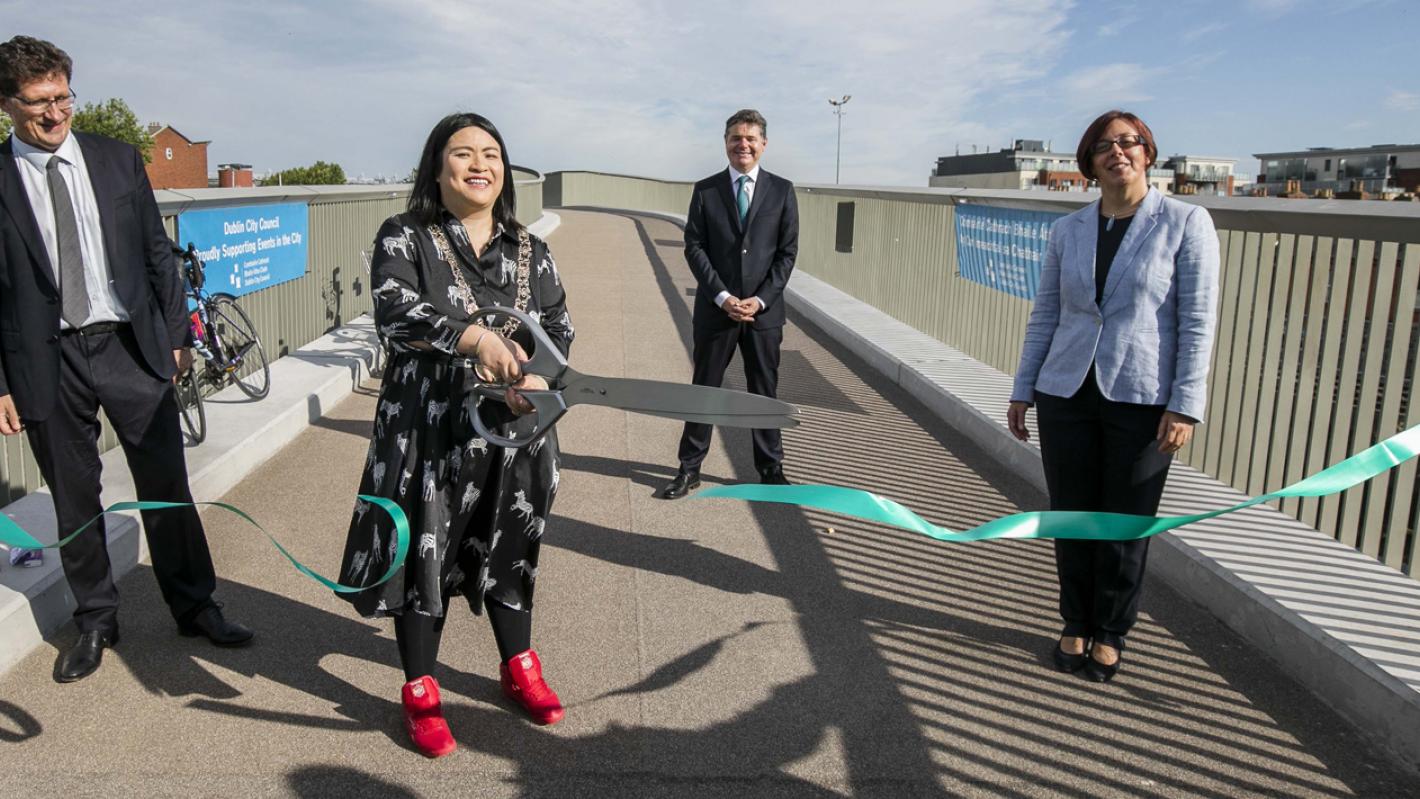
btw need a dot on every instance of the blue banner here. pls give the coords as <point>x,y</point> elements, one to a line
<point>248,248</point>
<point>1003,247</point>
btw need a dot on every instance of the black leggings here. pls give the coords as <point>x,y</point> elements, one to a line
<point>418,637</point>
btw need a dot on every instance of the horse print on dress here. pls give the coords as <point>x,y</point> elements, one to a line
<point>548,265</point>
<point>521,506</point>
<point>435,411</point>
<point>470,496</point>
<point>400,244</point>
<point>394,330</point>
<point>508,269</point>
<point>460,233</point>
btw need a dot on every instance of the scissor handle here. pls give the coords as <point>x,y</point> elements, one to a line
<point>545,361</point>
<point>548,405</point>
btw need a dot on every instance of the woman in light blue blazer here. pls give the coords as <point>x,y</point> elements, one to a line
<point>1116,362</point>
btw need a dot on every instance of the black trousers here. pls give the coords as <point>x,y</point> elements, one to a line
<point>712,353</point>
<point>107,371</point>
<point>1101,455</point>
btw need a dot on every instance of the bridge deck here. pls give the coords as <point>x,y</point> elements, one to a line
<point>703,647</point>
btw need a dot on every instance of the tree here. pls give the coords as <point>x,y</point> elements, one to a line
<point>318,174</point>
<point>5,125</point>
<point>117,121</point>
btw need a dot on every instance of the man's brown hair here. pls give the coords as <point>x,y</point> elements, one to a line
<point>748,116</point>
<point>24,59</point>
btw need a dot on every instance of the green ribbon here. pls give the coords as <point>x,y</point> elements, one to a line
<point>13,535</point>
<point>1089,525</point>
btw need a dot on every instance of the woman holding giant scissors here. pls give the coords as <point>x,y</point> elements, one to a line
<point>1116,361</point>
<point>476,511</point>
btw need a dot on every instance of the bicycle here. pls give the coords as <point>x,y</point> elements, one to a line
<point>224,336</point>
<point>194,413</point>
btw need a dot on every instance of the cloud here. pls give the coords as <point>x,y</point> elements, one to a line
<point>1107,85</point>
<point>1399,100</point>
<point>1202,31</point>
<point>1273,8</point>
<point>623,85</point>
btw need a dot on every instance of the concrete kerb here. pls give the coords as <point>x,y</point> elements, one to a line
<point>242,434</point>
<point>1214,564</point>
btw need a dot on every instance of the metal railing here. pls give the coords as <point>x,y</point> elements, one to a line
<point>1318,329</point>
<point>334,290</point>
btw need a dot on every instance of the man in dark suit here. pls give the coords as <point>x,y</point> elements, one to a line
<point>741,237</point>
<point>92,316</point>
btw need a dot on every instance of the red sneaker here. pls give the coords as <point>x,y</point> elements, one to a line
<point>523,683</point>
<point>424,718</point>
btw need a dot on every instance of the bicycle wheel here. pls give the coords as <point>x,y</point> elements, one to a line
<point>243,359</point>
<point>194,414</point>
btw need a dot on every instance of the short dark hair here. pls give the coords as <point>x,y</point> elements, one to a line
<point>425,203</point>
<point>747,116</point>
<point>1084,154</point>
<point>24,59</point>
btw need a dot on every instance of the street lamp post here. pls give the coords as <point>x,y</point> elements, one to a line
<point>838,112</point>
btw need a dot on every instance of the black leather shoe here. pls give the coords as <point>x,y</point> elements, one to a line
<point>1067,662</point>
<point>84,657</point>
<point>210,624</point>
<point>774,476</point>
<point>1096,671</point>
<point>684,483</point>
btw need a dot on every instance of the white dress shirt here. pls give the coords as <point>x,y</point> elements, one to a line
<point>32,163</point>
<point>735,176</point>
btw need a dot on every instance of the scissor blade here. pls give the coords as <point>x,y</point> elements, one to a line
<point>690,403</point>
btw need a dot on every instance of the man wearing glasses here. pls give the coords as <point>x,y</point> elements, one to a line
<point>92,317</point>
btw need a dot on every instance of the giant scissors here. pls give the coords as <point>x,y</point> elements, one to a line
<point>567,387</point>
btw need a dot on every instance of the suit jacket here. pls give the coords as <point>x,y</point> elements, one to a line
<point>749,260</point>
<point>1151,337</point>
<point>140,261</point>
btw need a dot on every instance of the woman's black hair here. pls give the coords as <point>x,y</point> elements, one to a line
<point>425,203</point>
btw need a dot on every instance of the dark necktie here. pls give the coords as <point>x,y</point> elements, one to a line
<point>742,198</point>
<point>73,294</point>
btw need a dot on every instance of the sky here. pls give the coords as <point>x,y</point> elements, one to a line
<point>643,86</point>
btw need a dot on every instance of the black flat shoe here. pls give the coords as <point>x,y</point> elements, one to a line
<point>684,483</point>
<point>84,657</point>
<point>210,624</point>
<point>774,476</point>
<point>1096,671</point>
<point>1067,662</point>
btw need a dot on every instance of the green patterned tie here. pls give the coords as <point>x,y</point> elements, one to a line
<point>742,197</point>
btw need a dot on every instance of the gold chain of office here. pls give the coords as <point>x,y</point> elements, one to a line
<point>441,243</point>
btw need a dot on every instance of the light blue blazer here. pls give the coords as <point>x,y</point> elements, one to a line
<point>1151,338</point>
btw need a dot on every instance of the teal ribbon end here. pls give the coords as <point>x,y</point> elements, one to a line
<point>1079,525</point>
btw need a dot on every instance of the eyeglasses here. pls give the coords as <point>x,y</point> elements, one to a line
<point>1126,142</point>
<point>41,105</point>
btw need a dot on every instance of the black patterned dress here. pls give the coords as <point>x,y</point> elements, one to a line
<point>476,511</point>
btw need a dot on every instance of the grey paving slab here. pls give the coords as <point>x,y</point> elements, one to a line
<point>704,648</point>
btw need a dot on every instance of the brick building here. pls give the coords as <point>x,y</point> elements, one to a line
<point>178,162</point>
<point>234,176</point>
